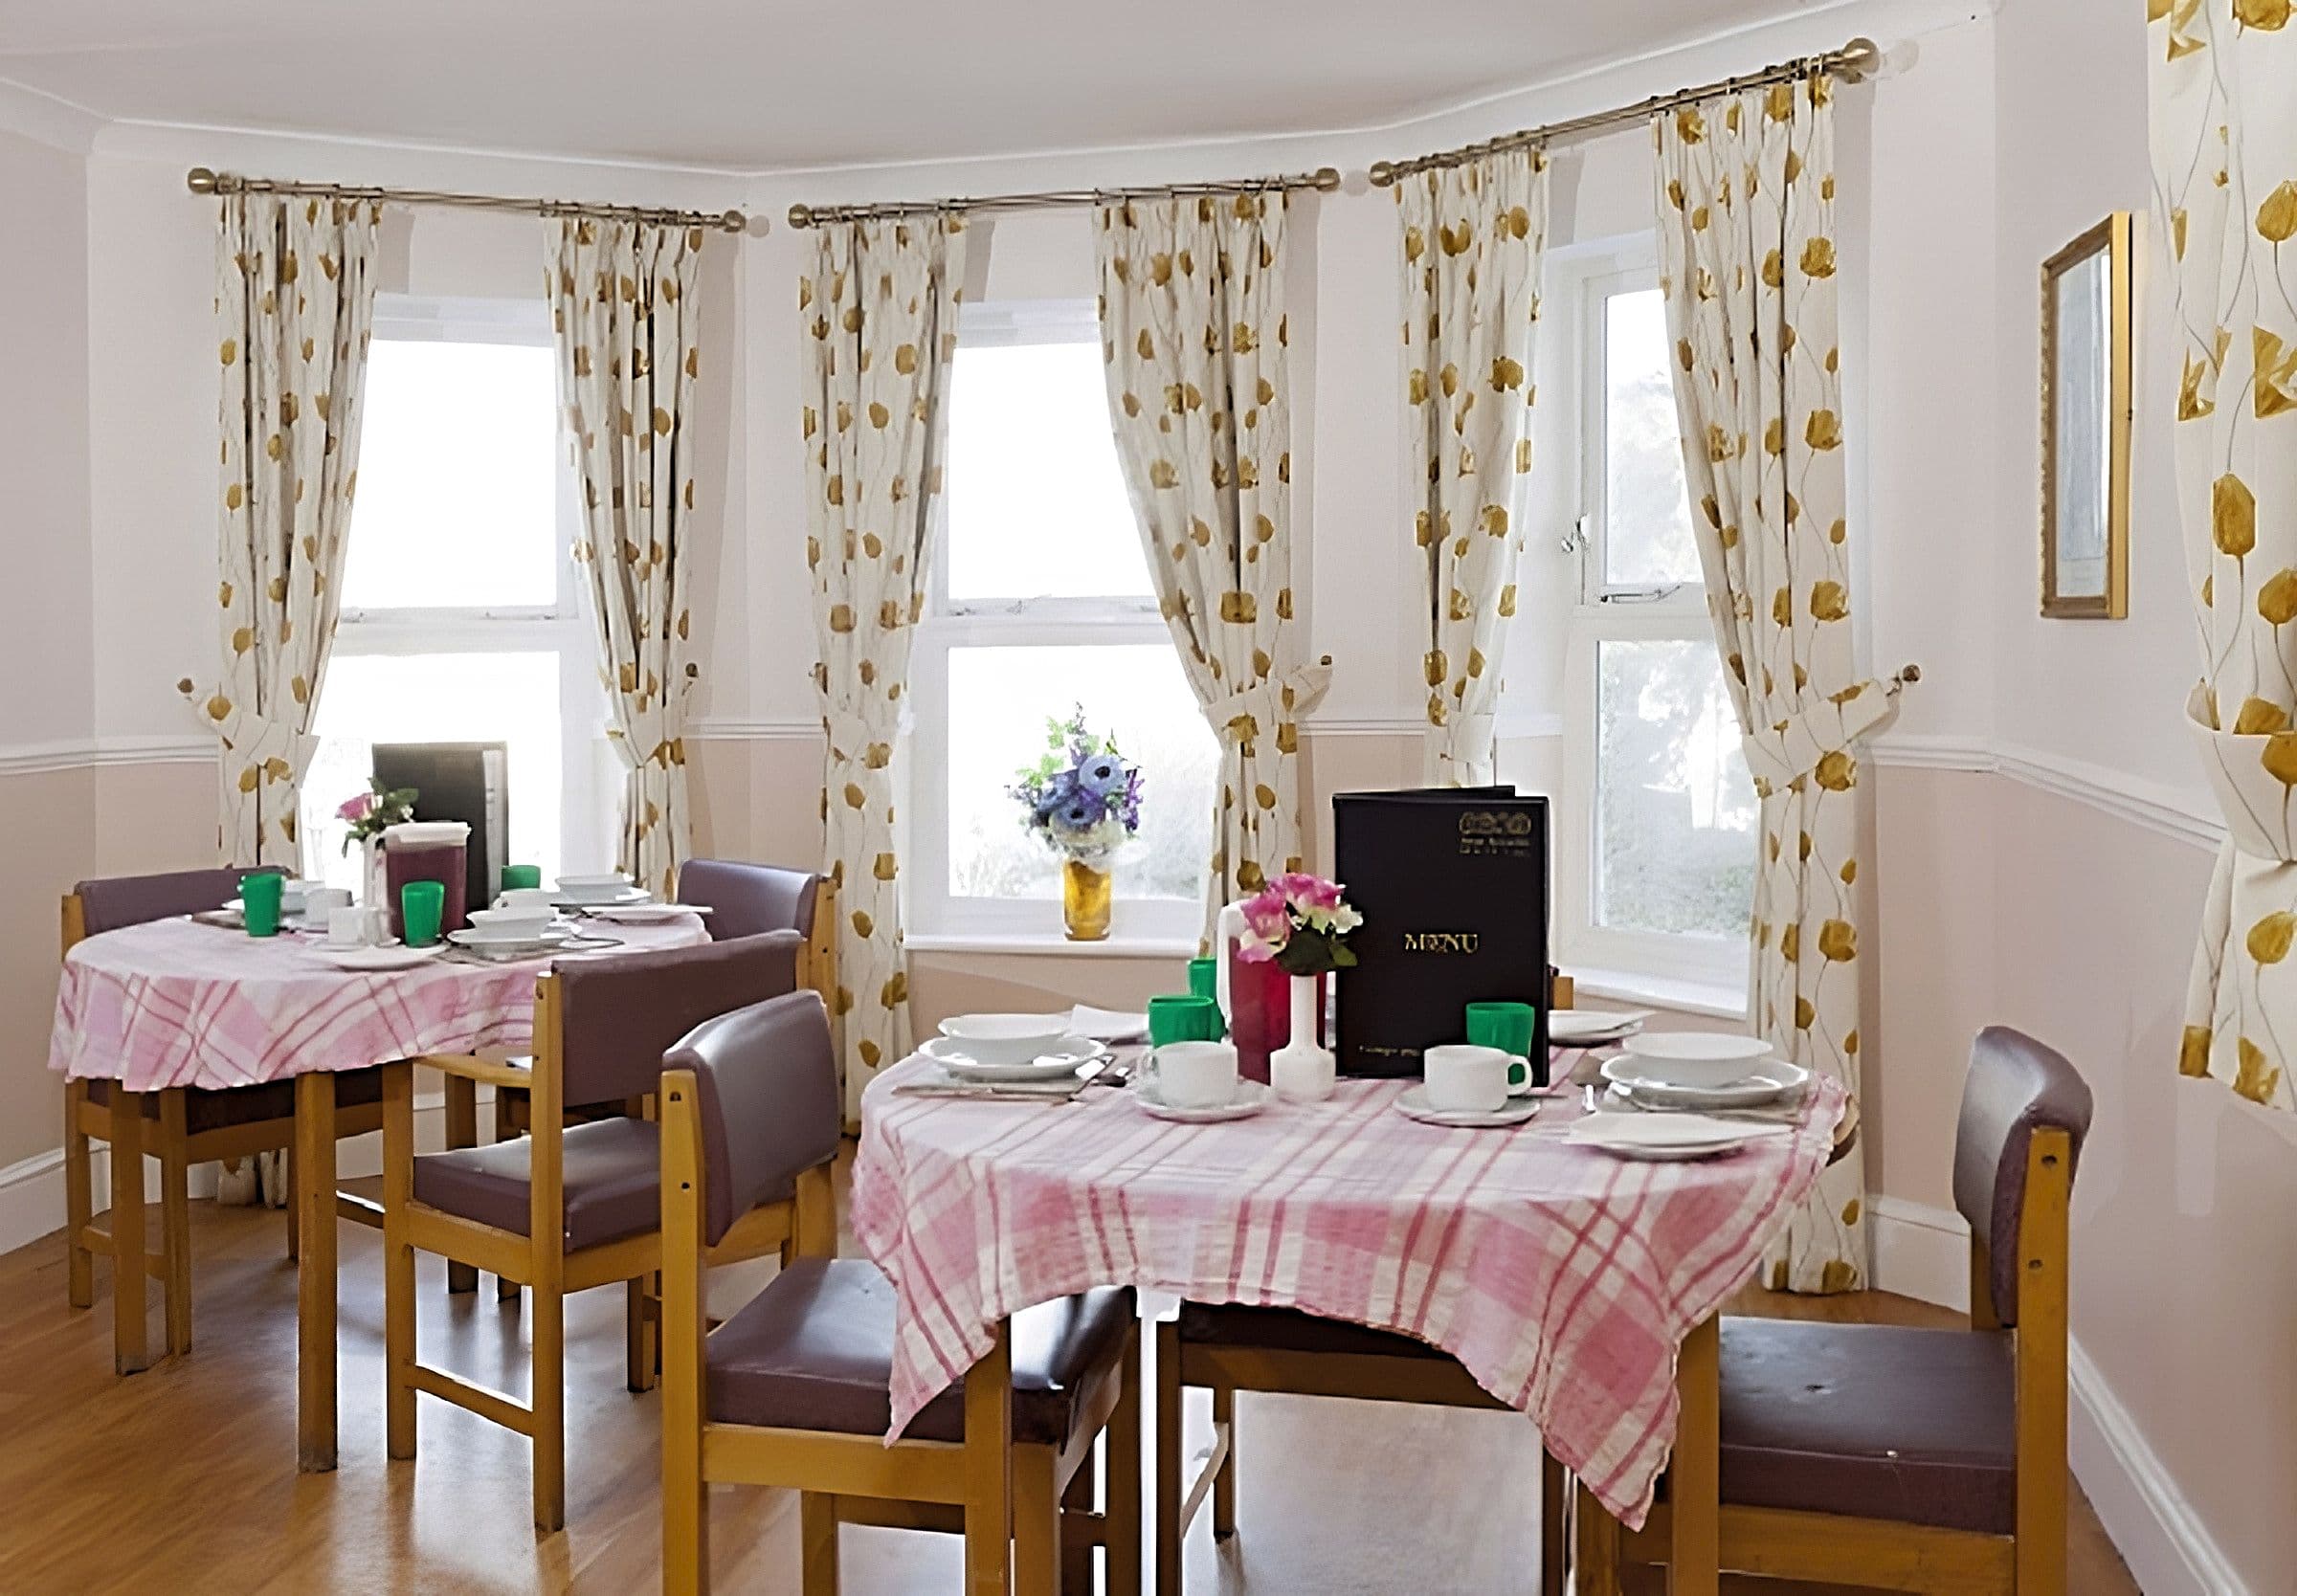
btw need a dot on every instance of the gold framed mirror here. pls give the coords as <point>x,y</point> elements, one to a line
<point>2085,412</point>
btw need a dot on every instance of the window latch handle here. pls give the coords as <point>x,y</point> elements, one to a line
<point>1642,595</point>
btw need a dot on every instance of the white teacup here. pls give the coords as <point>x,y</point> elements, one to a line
<point>1463,1078</point>
<point>320,903</point>
<point>1195,1074</point>
<point>347,926</point>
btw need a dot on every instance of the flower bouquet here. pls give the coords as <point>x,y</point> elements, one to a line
<point>1298,925</point>
<point>369,814</point>
<point>1081,800</point>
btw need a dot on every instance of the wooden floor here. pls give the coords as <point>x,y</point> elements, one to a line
<point>182,1479</point>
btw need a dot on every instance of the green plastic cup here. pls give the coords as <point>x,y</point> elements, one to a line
<point>1204,981</point>
<point>515,877</point>
<point>1508,1027</point>
<point>422,905</point>
<point>259,897</point>
<point>1183,1017</point>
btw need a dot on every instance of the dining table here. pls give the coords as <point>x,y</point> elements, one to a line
<point>1577,1287</point>
<point>187,1002</point>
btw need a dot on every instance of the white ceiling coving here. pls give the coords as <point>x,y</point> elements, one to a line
<point>755,85</point>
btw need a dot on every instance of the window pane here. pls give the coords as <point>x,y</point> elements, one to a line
<point>1647,513</point>
<point>1037,504</point>
<point>999,700</point>
<point>1675,810</point>
<point>438,698</point>
<point>459,464</point>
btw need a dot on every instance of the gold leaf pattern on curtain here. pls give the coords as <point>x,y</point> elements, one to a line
<point>1474,240</point>
<point>879,309</point>
<point>2225,138</point>
<point>1748,268</point>
<point>295,299</point>
<point>628,334</point>
<point>1196,343</point>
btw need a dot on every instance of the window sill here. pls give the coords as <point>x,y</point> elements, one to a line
<point>1678,994</point>
<point>1052,945</point>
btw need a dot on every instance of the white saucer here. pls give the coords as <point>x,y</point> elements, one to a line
<point>1414,1105</point>
<point>1666,1138</point>
<point>1252,1095</point>
<point>1770,1080</point>
<point>1063,1057</point>
<point>369,960</point>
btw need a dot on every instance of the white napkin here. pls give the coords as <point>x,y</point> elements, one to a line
<point>1107,1025</point>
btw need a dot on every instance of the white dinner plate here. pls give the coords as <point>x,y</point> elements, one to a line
<point>1666,1137</point>
<point>1579,1026</point>
<point>1252,1095</point>
<point>369,960</point>
<point>646,913</point>
<point>1063,1057</point>
<point>513,943</point>
<point>1413,1105</point>
<point>1770,1080</point>
<point>600,897</point>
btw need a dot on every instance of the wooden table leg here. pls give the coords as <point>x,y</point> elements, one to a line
<point>1595,1548</point>
<point>1695,1515</point>
<point>131,1351</point>
<point>989,1470</point>
<point>314,1272</point>
<point>462,1131</point>
<point>1165,1552</point>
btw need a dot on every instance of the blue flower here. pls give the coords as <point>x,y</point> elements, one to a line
<point>1101,773</point>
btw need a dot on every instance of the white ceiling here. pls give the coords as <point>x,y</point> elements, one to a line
<point>761,84</point>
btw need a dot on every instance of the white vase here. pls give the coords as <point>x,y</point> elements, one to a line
<point>1301,1071</point>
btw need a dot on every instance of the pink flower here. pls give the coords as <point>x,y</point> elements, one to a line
<point>356,809</point>
<point>1307,892</point>
<point>1267,926</point>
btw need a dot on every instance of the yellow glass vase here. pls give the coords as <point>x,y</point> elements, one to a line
<point>1085,896</point>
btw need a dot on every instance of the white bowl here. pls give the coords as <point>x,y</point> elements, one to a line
<point>529,901</point>
<point>532,921</point>
<point>615,882</point>
<point>1005,1038</point>
<point>1697,1057</point>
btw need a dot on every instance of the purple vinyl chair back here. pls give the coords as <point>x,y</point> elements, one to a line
<point>622,1014</point>
<point>111,902</point>
<point>747,899</point>
<point>2015,1087</point>
<point>766,1087</point>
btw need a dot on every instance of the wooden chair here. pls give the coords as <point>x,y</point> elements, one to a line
<point>180,1126</point>
<point>793,1391</point>
<point>745,900</point>
<point>568,1207</point>
<point>1915,1460</point>
<point>1229,1347</point>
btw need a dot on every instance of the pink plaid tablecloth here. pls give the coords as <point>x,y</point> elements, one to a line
<point>176,1003</point>
<point>1564,1279</point>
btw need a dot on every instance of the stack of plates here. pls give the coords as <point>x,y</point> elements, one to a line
<point>643,912</point>
<point>1063,1055</point>
<point>1593,1027</point>
<point>1699,1070</point>
<point>591,892</point>
<point>510,940</point>
<point>1666,1138</point>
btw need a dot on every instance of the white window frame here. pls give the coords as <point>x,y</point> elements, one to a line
<point>1018,620</point>
<point>590,776</point>
<point>1600,613</point>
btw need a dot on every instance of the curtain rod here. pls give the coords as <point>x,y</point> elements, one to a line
<point>1853,62</point>
<point>202,180</point>
<point>1324,179</point>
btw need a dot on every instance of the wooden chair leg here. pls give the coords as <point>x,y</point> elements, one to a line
<point>1120,1496</point>
<point>1595,1551</point>
<point>1224,1483</point>
<point>79,1200</point>
<point>130,1352</point>
<point>550,1404</point>
<point>399,1260</point>
<point>639,1363</point>
<point>295,1213</point>
<point>1076,1549</point>
<point>988,1470</point>
<point>1167,1551</point>
<point>817,1543</point>
<point>1035,1522</point>
<point>175,1245</point>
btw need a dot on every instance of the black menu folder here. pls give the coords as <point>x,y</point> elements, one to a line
<point>1453,886</point>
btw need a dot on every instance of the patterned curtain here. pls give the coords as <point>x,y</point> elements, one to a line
<point>1748,267</point>
<point>295,298</point>
<point>629,334</point>
<point>2224,131</point>
<point>879,309</point>
<point>1474,235</point>
<point>1192,326</point>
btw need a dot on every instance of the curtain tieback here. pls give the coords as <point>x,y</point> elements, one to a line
<point>281,750</point>
<point>1243,716</point>
<point>1816,741</point>
<point>2252,776</point>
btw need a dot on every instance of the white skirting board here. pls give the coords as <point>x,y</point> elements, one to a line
<point>32,1189</point>
<point>1924,1252</point>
